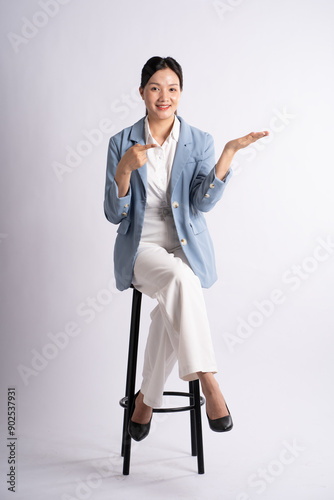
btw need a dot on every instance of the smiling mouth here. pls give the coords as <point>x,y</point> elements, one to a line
<point>163,107</point>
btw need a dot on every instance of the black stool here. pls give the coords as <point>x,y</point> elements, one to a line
<point>195,400</point>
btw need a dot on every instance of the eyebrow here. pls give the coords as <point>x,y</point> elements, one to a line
<point>154,83</point>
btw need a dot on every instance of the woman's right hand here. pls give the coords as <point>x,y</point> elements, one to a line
<point>134,158</point>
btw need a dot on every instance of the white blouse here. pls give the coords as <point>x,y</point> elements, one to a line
<point>159,166</point>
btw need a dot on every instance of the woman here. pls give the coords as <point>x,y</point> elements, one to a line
<point>161,177</point>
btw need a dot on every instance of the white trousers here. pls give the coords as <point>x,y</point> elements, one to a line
<point>179,329</point>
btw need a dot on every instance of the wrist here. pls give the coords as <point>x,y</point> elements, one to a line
<point>123,170</point>
<point>229,149</point>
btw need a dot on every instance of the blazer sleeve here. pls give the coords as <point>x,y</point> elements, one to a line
<point>206,188</point>
<point>116,209</point>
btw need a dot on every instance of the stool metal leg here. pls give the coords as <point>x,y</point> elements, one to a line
<point>198,426</point>
<point>131,377</point>
<point>192,421</point>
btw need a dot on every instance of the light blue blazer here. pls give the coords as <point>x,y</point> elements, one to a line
<point>194,189</point>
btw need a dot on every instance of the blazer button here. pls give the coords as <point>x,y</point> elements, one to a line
<point>183,241</point>
<point>175,204</point>
<point>126,206</point>
<point>212,186</point>
<point>206,195</point>
<point>124,213</point>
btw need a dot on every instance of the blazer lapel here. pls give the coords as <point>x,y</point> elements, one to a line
<point>182,153</point>
<point>137,135</point>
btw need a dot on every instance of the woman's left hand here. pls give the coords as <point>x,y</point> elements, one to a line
<point>232,147</point>
<point>244,141</point>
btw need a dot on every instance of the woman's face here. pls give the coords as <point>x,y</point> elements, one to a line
<point>161,94</point>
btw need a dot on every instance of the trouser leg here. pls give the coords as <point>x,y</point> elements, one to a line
<point>159,360</point>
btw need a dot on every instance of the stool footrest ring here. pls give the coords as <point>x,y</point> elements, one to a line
<point>124,403</point>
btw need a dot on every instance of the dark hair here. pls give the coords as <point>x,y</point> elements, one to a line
<point>155,63</point>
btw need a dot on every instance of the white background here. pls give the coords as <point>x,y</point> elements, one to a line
<point>248,65</point>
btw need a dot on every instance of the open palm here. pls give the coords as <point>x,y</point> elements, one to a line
<point>245,141</point>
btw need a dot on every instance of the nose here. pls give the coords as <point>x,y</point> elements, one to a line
<point>164,96</point>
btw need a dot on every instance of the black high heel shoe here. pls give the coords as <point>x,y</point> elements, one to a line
<point>222,424</point>
<point>138,432</point>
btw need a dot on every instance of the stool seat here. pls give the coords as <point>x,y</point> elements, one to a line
<point>195,399</point>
